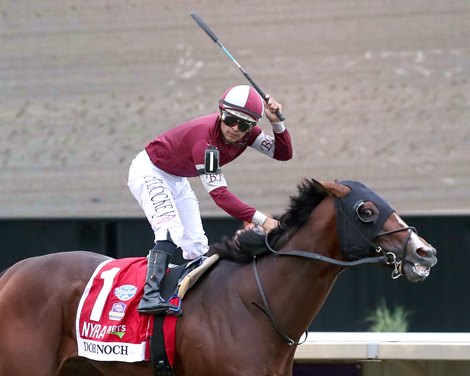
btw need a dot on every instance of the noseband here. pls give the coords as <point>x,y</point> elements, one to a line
<point>397,261</point>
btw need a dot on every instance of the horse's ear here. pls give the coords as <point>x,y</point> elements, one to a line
<point>313,185</point>
<point>335,188</point>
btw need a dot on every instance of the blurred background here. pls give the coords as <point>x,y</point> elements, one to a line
<point>376,91</point>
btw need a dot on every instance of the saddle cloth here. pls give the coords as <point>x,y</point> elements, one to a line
<point>108,326</point>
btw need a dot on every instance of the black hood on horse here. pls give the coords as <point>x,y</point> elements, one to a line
<point>356,232</point>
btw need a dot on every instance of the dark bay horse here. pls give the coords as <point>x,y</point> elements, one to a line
<point>247,314</point>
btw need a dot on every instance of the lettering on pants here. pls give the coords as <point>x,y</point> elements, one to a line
<point>162,204</point>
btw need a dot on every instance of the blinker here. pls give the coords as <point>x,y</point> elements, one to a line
<point>356,234</point>
<point>356,207</point>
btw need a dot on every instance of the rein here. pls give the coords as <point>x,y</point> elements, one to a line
<point>384,259</point>
<point>364,242</point>
<point>267,310</point>
<point>388,258</point>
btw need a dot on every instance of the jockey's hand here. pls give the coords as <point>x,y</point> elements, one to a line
<point>271,107</point>
<point>270,223</point>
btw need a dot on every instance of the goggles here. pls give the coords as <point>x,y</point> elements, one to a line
<point>231,121</point>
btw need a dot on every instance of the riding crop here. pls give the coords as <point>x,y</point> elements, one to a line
<point>214,37</point>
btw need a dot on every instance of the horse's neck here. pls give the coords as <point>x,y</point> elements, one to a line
<point>304,284</point>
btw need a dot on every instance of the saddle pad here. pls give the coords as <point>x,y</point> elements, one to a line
<point>108,326</point>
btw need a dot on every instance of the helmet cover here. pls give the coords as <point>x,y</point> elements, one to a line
<point>244,102</point>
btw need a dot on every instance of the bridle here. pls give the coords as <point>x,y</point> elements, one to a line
<point>386,257</point>
<point>397,261</point>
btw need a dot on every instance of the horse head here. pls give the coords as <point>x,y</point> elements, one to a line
<point>368,231</point>
<point>368,225</point>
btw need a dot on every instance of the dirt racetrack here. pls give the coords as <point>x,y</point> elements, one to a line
<point>377,91</point>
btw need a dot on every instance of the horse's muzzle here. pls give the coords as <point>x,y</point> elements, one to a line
<point>418,266</point>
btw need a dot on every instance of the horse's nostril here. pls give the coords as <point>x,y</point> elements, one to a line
<point>424,252</point>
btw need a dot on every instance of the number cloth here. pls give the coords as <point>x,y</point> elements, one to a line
<point>108,326</point>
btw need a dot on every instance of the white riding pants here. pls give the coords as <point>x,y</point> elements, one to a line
<point>170,205</point>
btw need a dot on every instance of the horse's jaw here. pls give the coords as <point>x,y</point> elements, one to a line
<point>415,272</point>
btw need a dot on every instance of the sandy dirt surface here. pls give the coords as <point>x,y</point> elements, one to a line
<point>376,91</point>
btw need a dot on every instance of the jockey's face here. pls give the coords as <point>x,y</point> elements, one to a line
<point>230,127</point>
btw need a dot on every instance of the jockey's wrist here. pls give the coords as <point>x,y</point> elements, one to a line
<point>278,126</point>
<point>258,218</point>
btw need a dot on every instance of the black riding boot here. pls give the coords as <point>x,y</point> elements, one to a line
<point>158,260</point>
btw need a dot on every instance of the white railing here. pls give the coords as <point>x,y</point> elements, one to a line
<point>384,346</point>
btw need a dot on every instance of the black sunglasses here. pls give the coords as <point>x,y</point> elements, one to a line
<point>231,121</point>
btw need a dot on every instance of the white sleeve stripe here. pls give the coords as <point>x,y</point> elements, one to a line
<point>264,144</point>
<point>213,181</point>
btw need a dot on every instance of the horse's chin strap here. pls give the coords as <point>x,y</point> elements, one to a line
<point>267,310</point>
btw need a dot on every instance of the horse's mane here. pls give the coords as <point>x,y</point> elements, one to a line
<point>246,244</point>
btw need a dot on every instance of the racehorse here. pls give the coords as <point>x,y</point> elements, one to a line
<point>248,313</point>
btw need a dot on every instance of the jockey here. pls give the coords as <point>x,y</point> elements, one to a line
<point>158,178</point>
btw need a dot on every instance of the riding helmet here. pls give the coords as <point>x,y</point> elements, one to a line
<point>244,102</point>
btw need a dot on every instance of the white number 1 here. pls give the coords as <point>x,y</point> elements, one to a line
<point>108,277</point>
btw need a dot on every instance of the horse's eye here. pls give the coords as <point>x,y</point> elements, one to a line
<point>364,214</point>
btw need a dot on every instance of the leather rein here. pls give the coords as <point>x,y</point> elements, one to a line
<point>386,257</point>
